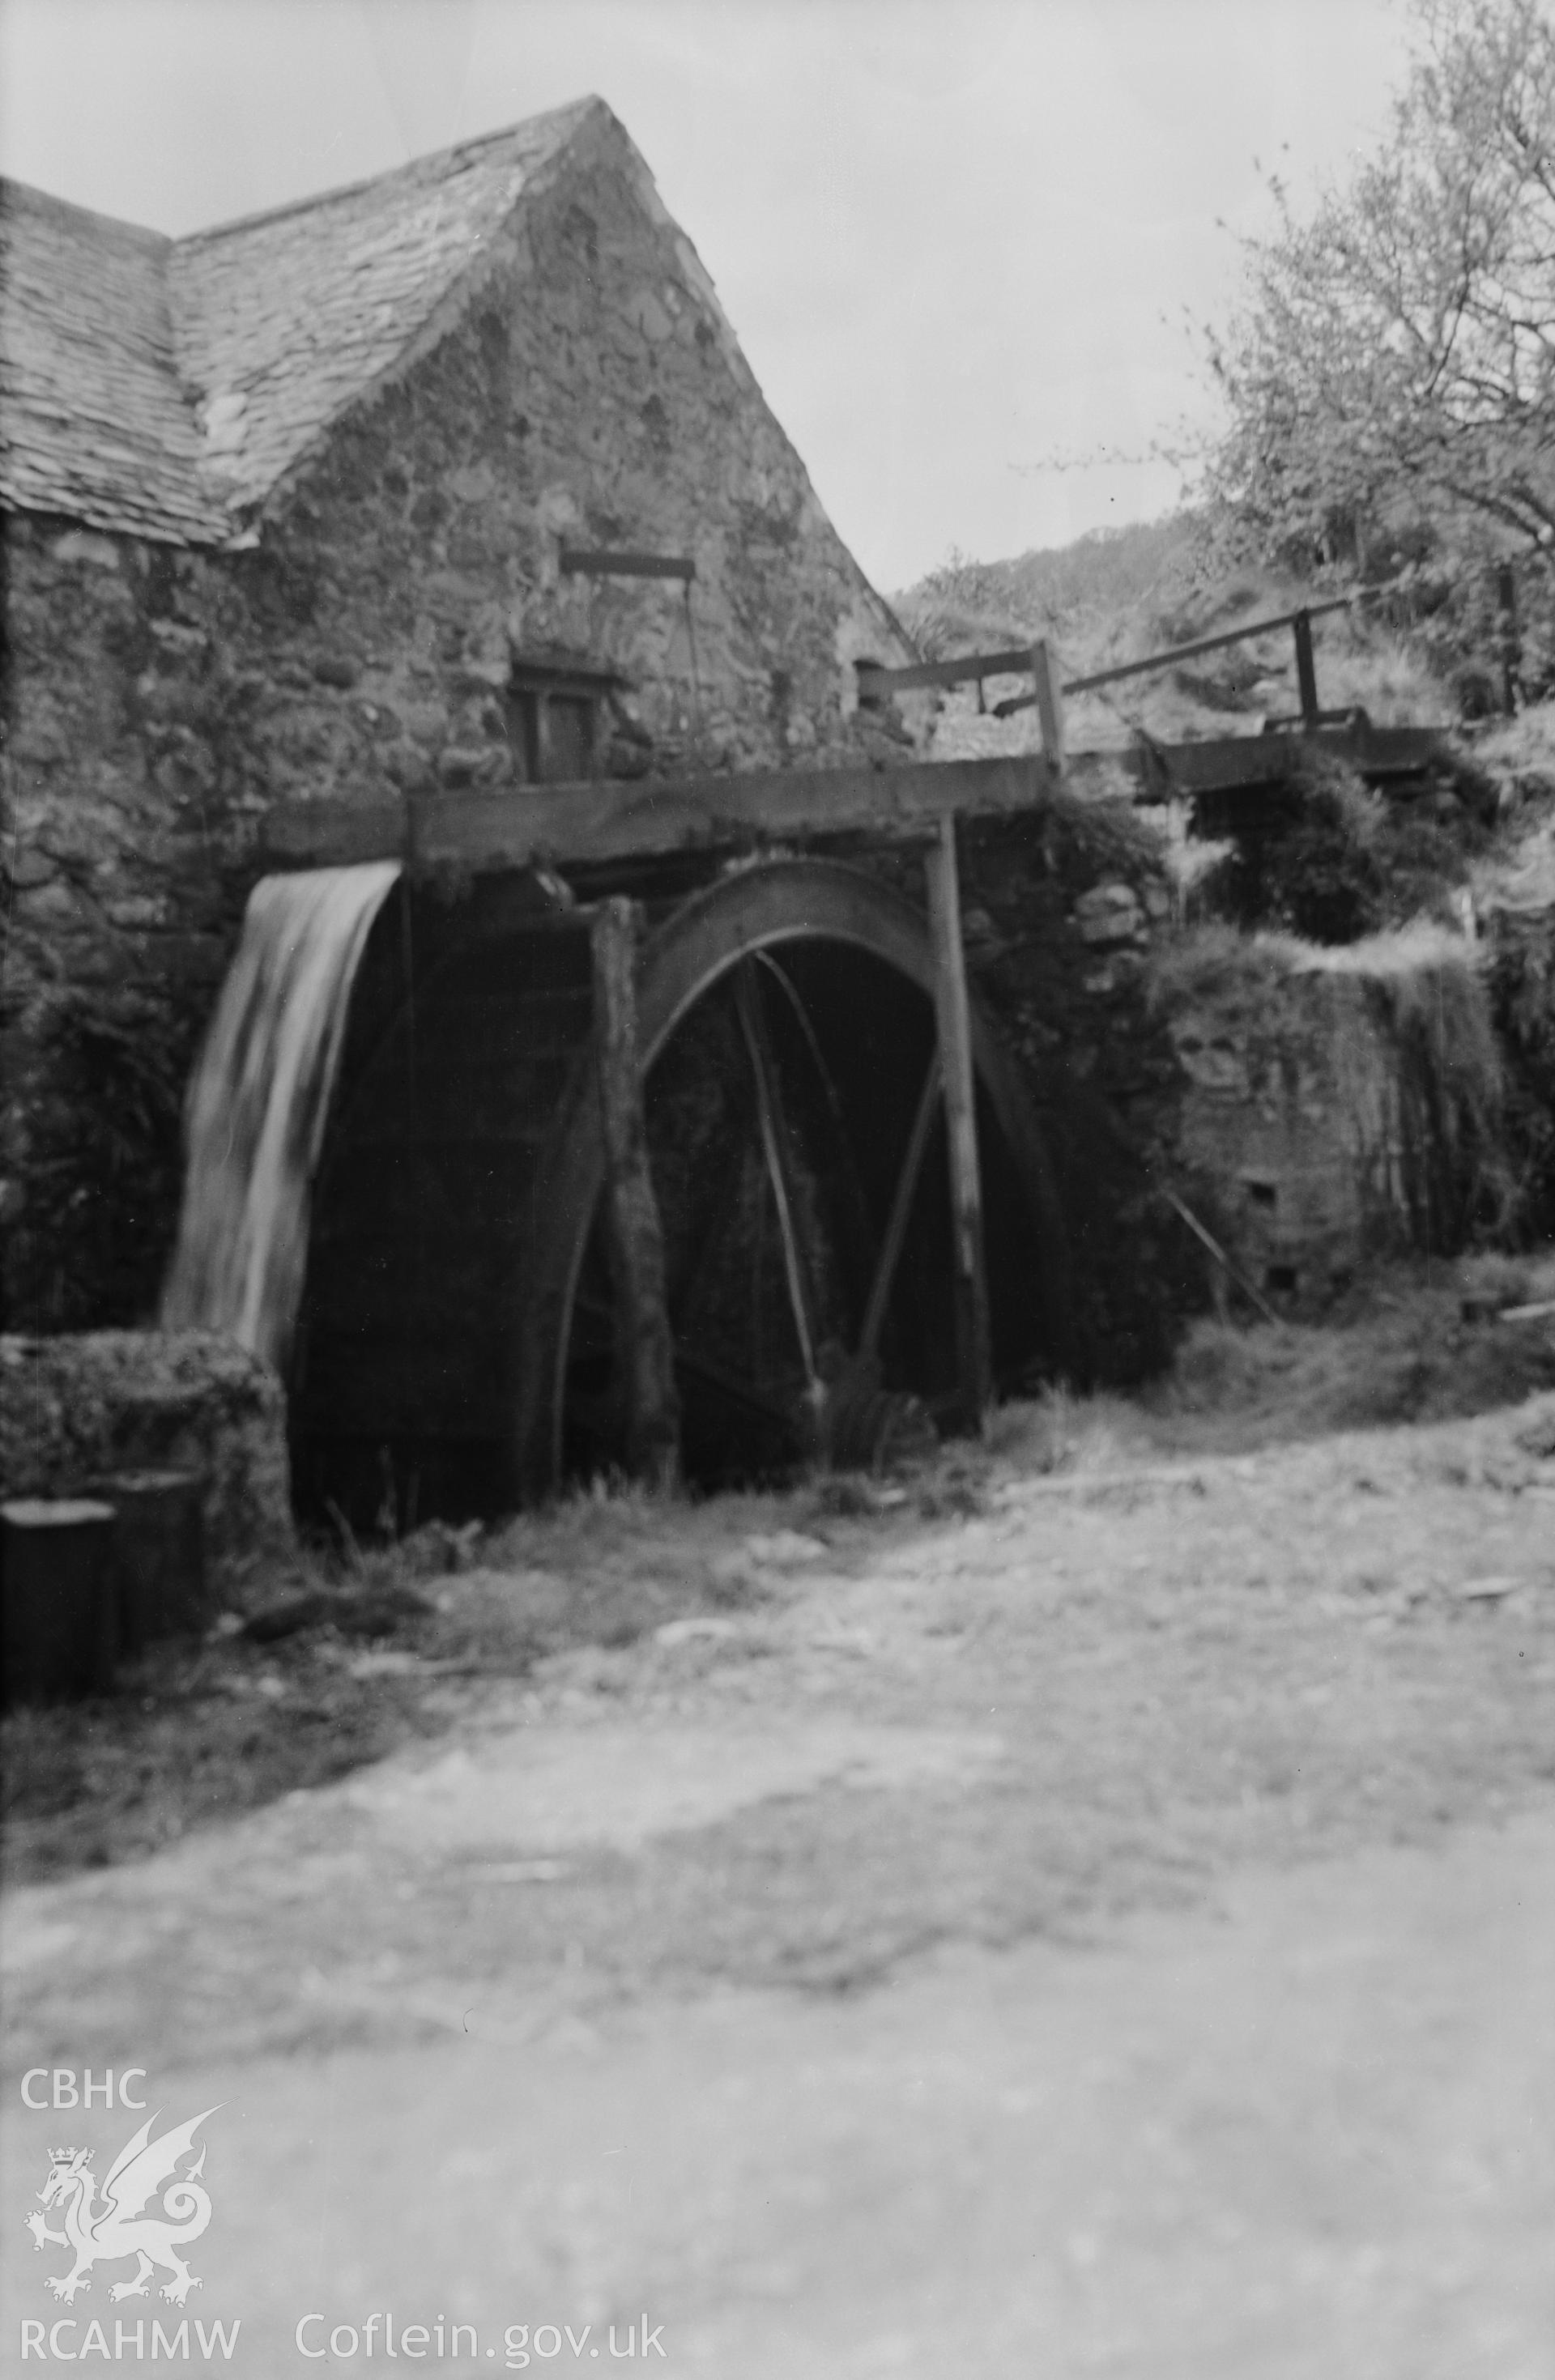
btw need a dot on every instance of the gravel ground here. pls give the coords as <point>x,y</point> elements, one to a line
<point>1195,1797</point>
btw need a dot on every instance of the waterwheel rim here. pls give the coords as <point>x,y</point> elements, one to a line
<point>734,930</point>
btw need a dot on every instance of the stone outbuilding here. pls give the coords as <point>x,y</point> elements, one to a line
<point>454,479</point>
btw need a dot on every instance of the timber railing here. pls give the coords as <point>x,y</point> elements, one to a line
<point>1048,690</point>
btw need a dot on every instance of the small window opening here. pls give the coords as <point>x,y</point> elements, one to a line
<point>869,696</point>
<point>553,720</point>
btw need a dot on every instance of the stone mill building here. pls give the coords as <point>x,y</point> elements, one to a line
<point>441,519</point>
<point>290,507</point>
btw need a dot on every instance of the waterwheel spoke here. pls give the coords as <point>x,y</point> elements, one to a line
<point>901,1211</point>
<point>775,1144</point>
<point>854,1201</point>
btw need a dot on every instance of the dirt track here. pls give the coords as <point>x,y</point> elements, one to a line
<point>1110,1931</point>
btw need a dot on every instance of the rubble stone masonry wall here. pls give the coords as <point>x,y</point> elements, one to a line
<point>585,392</point>
<point>1059,914</point>
<point>1059,909</point>
<point>1293,1132</point>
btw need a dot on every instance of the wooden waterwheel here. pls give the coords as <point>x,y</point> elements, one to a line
<point>464,1338</point>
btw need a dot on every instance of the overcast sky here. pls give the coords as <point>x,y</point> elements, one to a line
<point>958,238</point>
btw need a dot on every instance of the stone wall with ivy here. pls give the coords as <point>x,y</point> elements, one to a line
<point>1061,910</point>
<point>1339,1107</point>
<point>1520,981</point>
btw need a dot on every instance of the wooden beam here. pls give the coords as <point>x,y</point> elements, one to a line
<point>538,676</point>
<point>529,826</point>
<point>1013,661</point>
<point>1510,638</point>
<point>633,1235</point>
<point>333,833</point>
<point>1207,1240</point>
<point>954,1026</point>
<point>1175,653</point>
<point>1223,764</point>
<point>1048,694</point>
<point>1307,668</point>
<point>901,1212</point>
<point>575,824</point>
<point>619,563</point>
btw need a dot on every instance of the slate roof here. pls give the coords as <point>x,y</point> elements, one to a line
<point>163,387</point>
<point>94,420</point>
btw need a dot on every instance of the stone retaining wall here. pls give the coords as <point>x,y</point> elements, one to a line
<point>1336,1109</point>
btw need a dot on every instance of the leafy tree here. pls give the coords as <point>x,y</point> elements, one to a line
<point>1394,360</point>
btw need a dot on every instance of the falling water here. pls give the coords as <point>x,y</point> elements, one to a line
<point>259,1101</point>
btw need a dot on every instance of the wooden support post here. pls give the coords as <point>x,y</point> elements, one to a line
<point>954,1023</point>
<point>1511,643</point>
<point>901,1213</point>
<point>633,1234</point>
<point>1049,691</point>
<point>1307,668</point>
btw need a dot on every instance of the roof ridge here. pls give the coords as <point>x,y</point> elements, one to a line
<point>51,200</point>
<point>431,157</point>
<point>231,352</point>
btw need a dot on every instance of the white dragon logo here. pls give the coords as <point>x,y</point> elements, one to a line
<point>120,2228</point>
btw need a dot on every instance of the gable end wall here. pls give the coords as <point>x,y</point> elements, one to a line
<point>159,698</point>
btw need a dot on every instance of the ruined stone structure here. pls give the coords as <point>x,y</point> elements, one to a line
<point>314,506</point>
<point>1340,1105</point>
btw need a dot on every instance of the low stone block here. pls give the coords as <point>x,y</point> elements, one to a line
<point>78,1408</point>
